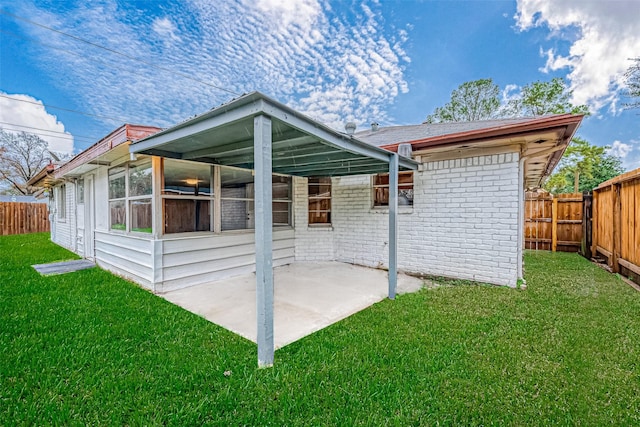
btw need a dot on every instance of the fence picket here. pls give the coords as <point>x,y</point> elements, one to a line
<point>553,223</point>
<point>22,218</point>
<point>616,223</point>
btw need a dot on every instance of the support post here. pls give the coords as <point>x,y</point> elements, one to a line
<point>263,232</point>
<point>393,225</point>
<point>594,223</point>
<point>554,225</point>
<point>617,225</point>
<point>585,249</point>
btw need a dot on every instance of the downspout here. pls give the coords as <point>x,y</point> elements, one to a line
<point>52,214</point>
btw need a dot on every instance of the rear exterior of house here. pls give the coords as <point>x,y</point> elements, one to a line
<point>167,223</point>
<point>463,222</point>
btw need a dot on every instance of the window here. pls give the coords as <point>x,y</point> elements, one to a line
<point>117,198</point>
<point>140,190</point>
<point>237,199</point>
<point>187,196</point>
<point>80,191</point>
<point>189,191</point>
<point>130,189</point>
<point>381,189</point>
<point>237,190</point>
<point>62,201</point>
<point>281,195</point>
<point>319,200</point>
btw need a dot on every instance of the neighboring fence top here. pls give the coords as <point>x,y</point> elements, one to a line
<point>21,199</point>
<point>533,195</point>
<point>627,176</point>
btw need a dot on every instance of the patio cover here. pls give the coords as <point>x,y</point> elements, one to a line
<point>256,132</point>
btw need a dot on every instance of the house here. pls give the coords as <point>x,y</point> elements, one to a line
<point>197,202</point>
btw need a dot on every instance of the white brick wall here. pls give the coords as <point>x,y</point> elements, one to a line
<point>312,243</point>
<point>464,222</point>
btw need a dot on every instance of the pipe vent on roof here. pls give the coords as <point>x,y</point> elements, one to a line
<point>405,150</point>
<point>350,127</point>
<point>374,126</point>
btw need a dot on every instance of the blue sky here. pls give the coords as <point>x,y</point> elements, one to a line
<point>387,61</point>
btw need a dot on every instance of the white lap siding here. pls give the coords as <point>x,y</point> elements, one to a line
<point>127,256</point>
<point>64,231</point>
<point>191,260</point>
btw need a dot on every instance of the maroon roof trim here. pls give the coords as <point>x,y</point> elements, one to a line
<point>569,121</point>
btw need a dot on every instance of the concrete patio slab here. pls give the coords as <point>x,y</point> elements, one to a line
<point>308,296</point>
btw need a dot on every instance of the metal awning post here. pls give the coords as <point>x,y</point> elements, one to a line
<point>263,231</point>
<point>393,224</point>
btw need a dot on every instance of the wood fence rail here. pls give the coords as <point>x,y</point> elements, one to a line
<point>616,223</point>
<point>553,223</point>
<point>23,218</point>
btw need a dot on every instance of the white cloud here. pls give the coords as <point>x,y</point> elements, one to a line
<point>333,66</point>
<point>287,12</point>
<point>603,36</point>
<point>24,113</point>
<point>165,28</point>
<point>510,92</point>
<point>619,149</point>
<point>628,152</point>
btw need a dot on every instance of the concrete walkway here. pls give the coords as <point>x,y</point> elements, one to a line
<point>63,267</point>
<point>309,296</point>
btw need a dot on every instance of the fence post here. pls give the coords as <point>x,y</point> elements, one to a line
<point>616,236</point>
<point>554,224</point>
<point>586,225</point>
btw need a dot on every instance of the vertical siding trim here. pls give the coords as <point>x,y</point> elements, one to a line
<point>157,269</point>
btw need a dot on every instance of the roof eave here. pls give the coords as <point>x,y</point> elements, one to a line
<point>479,135</point>
<point>118,136</point>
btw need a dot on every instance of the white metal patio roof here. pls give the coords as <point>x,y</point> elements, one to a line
<point>300,146</point>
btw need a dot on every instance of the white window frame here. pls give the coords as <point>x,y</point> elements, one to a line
<point>400,190</point>
<point>127,198</point>
<point>62,203</point>
<point>311,198</point>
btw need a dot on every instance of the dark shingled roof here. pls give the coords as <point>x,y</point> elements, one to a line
<point>397,134</point>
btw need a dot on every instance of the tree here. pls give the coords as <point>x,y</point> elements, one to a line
<point>632,80</point>
<point>479,100</point>
<point>22,155</point>
<point>592,164</point>
<point>474,100</point>
<point>540,98</point>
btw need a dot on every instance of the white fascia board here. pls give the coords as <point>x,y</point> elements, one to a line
<point>328,135</point>
<point>221,117</point>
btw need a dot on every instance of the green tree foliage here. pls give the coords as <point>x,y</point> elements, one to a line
<point>480,100</point>
<point>592,162</point>
<point>474,100</point>
<point>22,155</point>
<point>632,80</point>
<point>540,98</point>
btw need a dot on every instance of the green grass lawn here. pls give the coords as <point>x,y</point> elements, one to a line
<point>90,348</point>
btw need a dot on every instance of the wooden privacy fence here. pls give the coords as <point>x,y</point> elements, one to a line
<point>22,218</point>
<point>616,223</point>
<point>553,223</point>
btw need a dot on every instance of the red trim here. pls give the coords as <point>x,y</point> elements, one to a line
<point>570,121</point>
<point>119,136</point>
